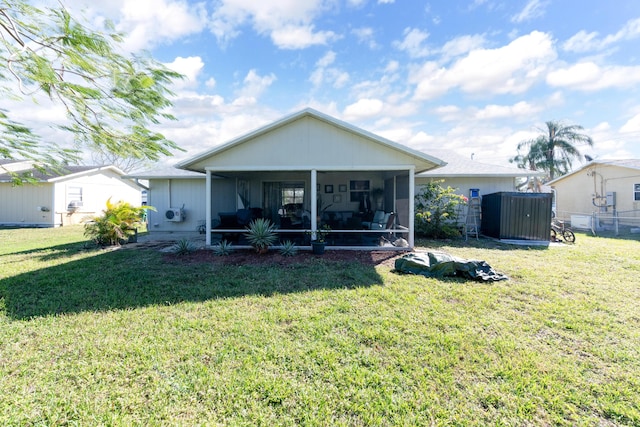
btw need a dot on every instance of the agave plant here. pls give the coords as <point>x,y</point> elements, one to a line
<point>183,247</point>
<point>261,234</point>
<point>288,248</point>
<point>223,248</point>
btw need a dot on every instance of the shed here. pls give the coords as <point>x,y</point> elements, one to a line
<point>517,216</point>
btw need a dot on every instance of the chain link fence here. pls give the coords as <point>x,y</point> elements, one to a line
<point>616,223</point>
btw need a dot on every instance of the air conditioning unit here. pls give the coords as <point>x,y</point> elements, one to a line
<point>174,214</point>
<point>74,205</point>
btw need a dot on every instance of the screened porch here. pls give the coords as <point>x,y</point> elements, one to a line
<point>357,209</point>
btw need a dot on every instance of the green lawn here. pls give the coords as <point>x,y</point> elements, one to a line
<point>121,337</point>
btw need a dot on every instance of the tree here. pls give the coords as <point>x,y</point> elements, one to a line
<point>103,157</point>
<point>553,150</point>
<point>437,210</point>
<point>111,99</point>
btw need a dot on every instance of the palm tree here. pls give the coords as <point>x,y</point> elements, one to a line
<point>554,149</point>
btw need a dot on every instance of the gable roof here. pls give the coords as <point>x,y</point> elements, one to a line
<point>633,164</point>
<point>421,160</point>
<point>165,172</point>
<point>66,172</point>
<point>460,166</point>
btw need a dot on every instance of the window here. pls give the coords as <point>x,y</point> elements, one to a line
<point>636,192</point>
<point>292,194</point>
<point>282,199</point>
<point>74,197</point>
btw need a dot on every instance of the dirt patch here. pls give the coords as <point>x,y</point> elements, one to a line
<point>273,257</point>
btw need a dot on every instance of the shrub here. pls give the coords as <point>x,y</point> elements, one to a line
<point>261,234</point>
<point>288,248</point>
<point>183,247</point>
<point>117,223</point>
<point>223,248</point>
<point>437,211</point>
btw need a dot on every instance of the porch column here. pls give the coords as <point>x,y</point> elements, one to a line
<point>314,202</point>
<point>412,205</point>
<point>208,207</point>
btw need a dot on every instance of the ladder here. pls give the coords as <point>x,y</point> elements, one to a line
<point>472,222</point>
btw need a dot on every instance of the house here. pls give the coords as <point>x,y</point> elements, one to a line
<point>601,193</point>
<point>303,172</point>
<point>465,174</point>
<point>62,197</point>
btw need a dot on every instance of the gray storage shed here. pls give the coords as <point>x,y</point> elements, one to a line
<point>517,216</point>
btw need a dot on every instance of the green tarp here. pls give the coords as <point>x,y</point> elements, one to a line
<point>440,264</point>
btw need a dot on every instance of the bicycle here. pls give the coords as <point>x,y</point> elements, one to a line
<point>558,228</point>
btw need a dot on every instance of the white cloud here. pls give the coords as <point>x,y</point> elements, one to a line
<point>632,125</point>
<point>533,9</point>
<point>300,37</point>
<point>148,23</point>
<point>413,43</point>
<point>190,67</point>
<point>520,109</point>
<point>210,83</point>
<point>392,67</point>
<point>287,22</point>
<point>365,35</point>
<point>448,113</point>
<point>512,69</point>
<point>328,59</point>
<point>363,108</point>
<point>585,42</point>
<point>254,86</point>
<point>589,76</point>
<point>386,1</point>
<point>325,74</point>
<point>462,45</point>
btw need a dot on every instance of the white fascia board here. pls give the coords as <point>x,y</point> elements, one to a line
<point>324,168</point>
<point>86,172</point>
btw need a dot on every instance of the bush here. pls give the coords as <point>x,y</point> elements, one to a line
<point>117,224</point>
<point>183,247</point>
<point>288,248</point>
<point>223,248</point>
<point>261,234</point>
<point>437,211</point>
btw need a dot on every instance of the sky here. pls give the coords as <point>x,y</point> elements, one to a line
<point>473,76</point>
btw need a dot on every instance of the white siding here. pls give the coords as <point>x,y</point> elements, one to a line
<point>174,193</point>
<point>97,188</point>
<point>20,204</point>
<point>306,144</point>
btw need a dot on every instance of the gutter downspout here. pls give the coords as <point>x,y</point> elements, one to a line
<point>314,203</point>
<point>412,205</point>
<point>208,208</point>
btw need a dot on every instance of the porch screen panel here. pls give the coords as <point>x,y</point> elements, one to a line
<point>280,196</point>
<point>272,200</point>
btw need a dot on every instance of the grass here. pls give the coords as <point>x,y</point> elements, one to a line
<point>123,337</point>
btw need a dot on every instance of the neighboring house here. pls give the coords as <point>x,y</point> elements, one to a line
<point>302,172</point>
<point>61,198</point>
<point>599,192</point>
<point>465,174</point>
